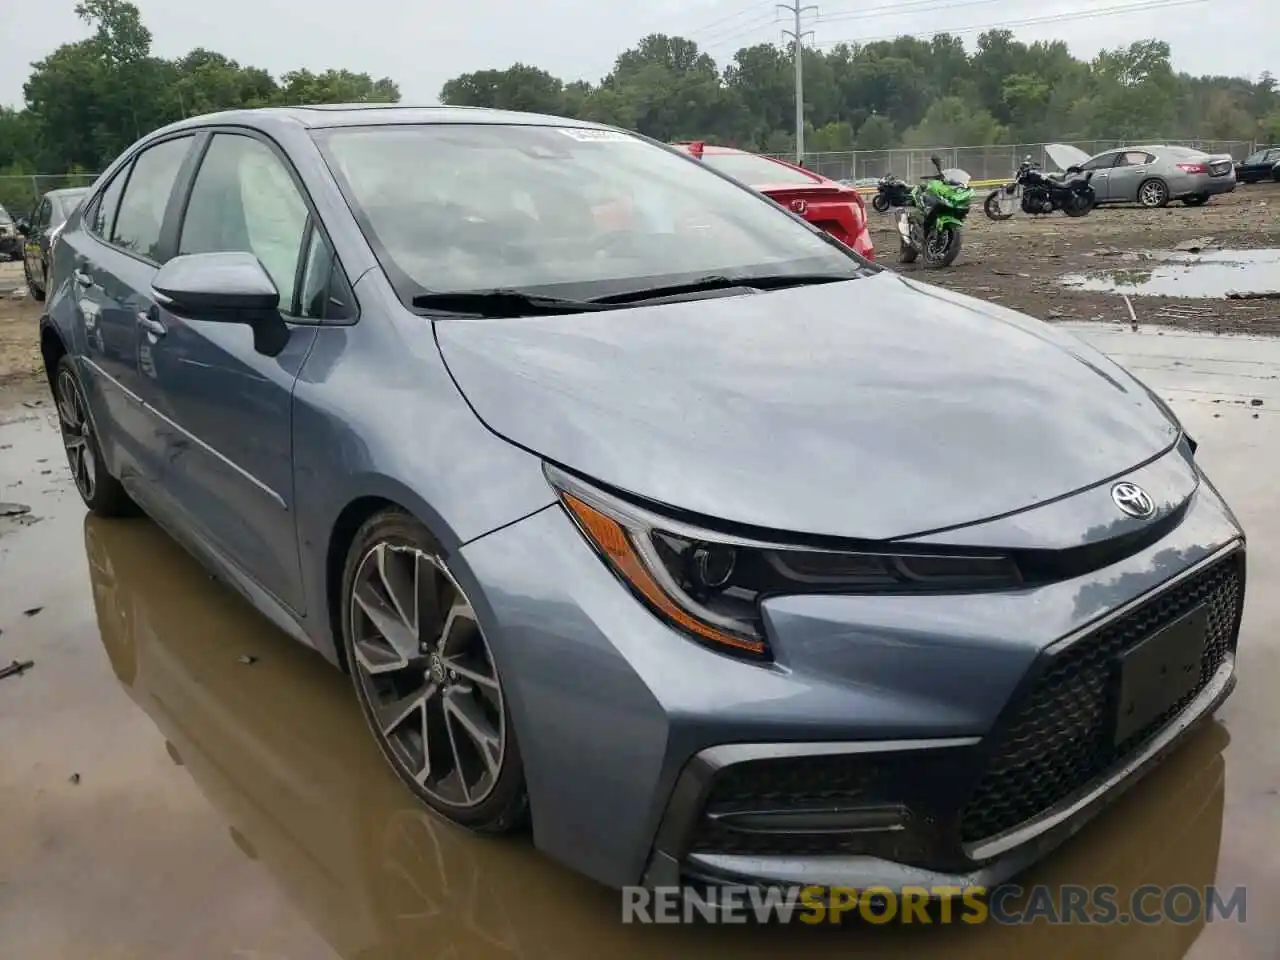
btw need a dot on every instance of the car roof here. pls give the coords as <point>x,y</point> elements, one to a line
<point>323,116</point>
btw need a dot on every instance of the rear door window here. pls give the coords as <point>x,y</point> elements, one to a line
<point>146,197</point>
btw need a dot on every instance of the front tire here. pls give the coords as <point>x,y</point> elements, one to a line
<point>993,208</point>
<point>426,678</point>
<point>880,203</point>
<point>100,491</point>
<point>1153,194</point>
<point>942,246</point>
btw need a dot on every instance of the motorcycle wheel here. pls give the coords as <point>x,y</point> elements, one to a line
<point>994,209</point>
<point>941,248</point>
<point>880,203</point>
<point>906,252</point>
<point>1081,204</point>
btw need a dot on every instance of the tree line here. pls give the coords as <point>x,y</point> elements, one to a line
<point>903,92</point>
<point>88,100</point>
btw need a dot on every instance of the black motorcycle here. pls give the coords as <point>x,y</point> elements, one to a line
<point>1038,193</point>
<point>891,191</point>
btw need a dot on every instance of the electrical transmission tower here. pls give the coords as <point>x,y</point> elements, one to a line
<point>797,37</point>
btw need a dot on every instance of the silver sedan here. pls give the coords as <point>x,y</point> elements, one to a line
<point>1151,175</point>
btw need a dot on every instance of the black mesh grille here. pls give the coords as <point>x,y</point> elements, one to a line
<point>1058,741</point>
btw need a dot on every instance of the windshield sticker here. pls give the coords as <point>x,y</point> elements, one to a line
<point>596,136</point>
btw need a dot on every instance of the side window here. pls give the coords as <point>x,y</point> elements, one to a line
<point>103,217</point>
<point>1100,163</point>
<point>325,293</point>
<point>146,197</point>
<point>243,199</point>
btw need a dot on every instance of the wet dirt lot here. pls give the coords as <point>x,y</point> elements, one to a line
<point>178,779</point>
<point>1018,263</point>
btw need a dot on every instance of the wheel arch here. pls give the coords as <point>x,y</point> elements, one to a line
<point>52,347</point>
<point>342,534</point>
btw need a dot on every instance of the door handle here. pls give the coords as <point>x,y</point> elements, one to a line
<point>83,279</point>
<point>151,324</point>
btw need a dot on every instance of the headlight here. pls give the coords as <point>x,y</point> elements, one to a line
<point>710,584</point>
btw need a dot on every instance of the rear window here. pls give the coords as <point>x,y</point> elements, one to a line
<point>752,170</point>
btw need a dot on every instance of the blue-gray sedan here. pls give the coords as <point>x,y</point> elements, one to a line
<point>634,505</point>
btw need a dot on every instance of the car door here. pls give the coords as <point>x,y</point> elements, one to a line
<point>1101,167</point>
<point>33,243</point>
<point>115,254</point>
<point>228,407</point>
<point>1132,167</point>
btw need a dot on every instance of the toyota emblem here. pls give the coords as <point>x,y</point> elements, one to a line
<point>1133,500</point>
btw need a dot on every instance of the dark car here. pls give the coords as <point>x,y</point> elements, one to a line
<point>40,230</point>
<point>1262,165</point>
<point>636,505</point>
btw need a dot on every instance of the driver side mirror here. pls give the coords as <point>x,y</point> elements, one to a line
<point>224,288</point>
<point>1074,169</point>
<point>23,226</point>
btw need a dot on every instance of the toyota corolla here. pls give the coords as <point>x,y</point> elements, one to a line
<point>635,506</point>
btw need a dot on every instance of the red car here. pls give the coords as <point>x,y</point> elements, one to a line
<point>837,209</point>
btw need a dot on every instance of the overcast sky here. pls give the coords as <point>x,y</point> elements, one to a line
<point>420,45</point>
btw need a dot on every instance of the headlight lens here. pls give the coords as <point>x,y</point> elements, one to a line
<point>711,585</point>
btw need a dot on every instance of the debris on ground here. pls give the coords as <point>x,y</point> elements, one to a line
<point>1193,246</point>
<point>74,778</point>
<point>246,659</point>
<point>13,509</point>
<point>16,669</point>
<point>31,611</point>
<point>1255,402</point>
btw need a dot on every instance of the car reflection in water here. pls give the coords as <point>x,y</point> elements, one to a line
<point>277,749</point>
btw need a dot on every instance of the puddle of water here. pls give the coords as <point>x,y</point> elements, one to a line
<point>1212,274</point>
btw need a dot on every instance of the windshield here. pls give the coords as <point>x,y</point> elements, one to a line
<point>956,175</point>
<point>569,212</point>
<point>752,170</point>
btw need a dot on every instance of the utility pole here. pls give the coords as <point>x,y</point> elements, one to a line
<point>797,36</point>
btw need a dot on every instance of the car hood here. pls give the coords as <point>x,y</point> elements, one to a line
<point>1065,155</point>
<point>876,408</point>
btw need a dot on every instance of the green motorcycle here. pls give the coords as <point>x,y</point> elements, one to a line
<point>931,224</point>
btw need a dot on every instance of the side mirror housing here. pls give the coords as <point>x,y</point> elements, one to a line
<point>22,226</point>
<point>1074,169</point>
<point>224,288</point>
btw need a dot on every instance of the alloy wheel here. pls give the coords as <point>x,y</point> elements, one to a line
<point>1152,194</point>
<point>77,435</point>
<point>427,674</point>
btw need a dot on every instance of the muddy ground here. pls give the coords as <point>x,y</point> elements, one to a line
<point>178,779</point>
<point>1015,263</point>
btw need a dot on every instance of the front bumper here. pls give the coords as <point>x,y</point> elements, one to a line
<point>647,756</point>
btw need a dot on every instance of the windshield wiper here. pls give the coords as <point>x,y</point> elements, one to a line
<point>502,302</point>
<point>763,281</point>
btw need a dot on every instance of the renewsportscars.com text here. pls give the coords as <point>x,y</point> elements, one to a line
<point>1008,904</point>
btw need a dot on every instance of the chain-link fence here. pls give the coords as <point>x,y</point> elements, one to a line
<point>20,194</point>
<point>996,162</point>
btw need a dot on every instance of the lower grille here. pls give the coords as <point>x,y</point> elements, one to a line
<point>1058,741</point>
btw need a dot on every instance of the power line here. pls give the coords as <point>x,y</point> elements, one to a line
<point>1029,22</point>
<point>797,36</point>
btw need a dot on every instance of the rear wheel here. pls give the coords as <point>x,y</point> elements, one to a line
<point>906,252</point>
<point>1153,194</point>
<point>1196,200</point>
<point>1080,204</point>
<point>100,491</point>
<point>880,203</point>
<point>426,678</point>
